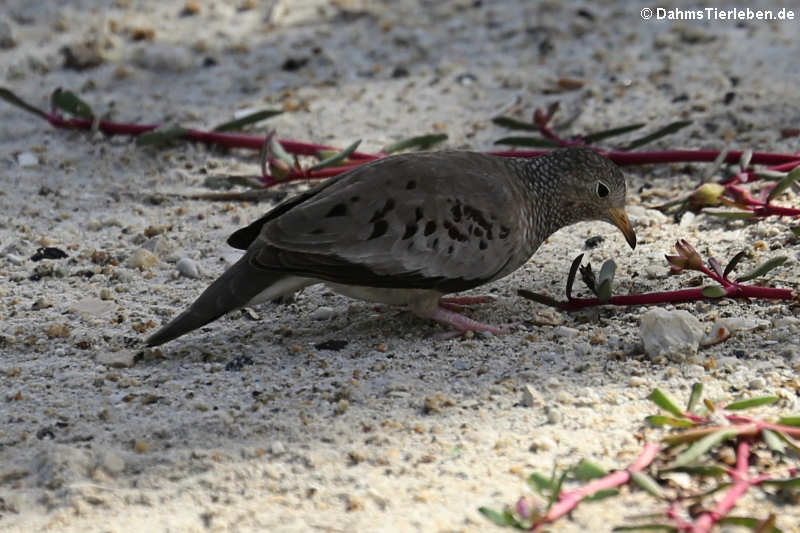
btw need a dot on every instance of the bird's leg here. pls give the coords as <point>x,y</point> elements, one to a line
<point>467,300</point>
<point>461,323</point>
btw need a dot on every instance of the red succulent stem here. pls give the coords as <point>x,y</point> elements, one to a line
<point>741,483</point>
<point>685,295</point>
<point>230,140</point>
<point>567,501</point>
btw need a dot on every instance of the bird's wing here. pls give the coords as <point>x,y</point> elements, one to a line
<point>445,220</point>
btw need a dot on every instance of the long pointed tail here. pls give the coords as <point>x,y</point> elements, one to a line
<point>233,289</point>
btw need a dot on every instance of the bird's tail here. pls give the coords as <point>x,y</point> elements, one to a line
<point>241,284</point>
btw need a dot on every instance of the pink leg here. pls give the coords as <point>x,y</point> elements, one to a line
<point>459,322</point>
<point>467,300</point>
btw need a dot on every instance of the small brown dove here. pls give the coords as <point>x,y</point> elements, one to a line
<point>410,228</point>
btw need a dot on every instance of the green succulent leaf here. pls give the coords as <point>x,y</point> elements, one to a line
<point>661,420</point>
<point>421,142</point>
<point>541,484</point>
<point>573,270</point>
<point>605,279</point>
<point>694,397</point>
<point>699,470</point>
<point>15,100</point>
<point>748,521</point>
<point>504,518</point>
<point>749,403</point>
<point>792,483</point>
<point>795,230</point>
<point>251,118</point>
<point>587,470</point>
<point>69,102</point>
<point>784,184</point>
<point>732,263</point>
<point>762,269</point>
<point>664,401</point>
<point>647,484</point>
<point>789,420</point>
<point>160,136</point>
<point>730,214</point>
<point>613,132</point>
<point>531,142</point>
<point>713,291</point>
<point>601,495</point>
<point>661,132</point>
<point>514,124</point>
<point>696,450</point>
<point>773,441</point>
<point>337,158</point>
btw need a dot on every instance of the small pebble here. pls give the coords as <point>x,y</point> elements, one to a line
<point>188,267</point>
<point>530,396</point>
<point>27,159</point>
<point>142,259</point>
<point>119,359</point>
<point>322,313</point>
<point>15,259</point>
<point>757,383</point>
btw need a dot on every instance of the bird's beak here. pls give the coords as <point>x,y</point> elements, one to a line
<point>620,219</point>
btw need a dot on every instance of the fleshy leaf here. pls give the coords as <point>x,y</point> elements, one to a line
<point>751,402</point>
<point>788,483</point>
<point>699,470</point>
<point>160,136</point>
<point>661,399</point>
<point>763,268</point>
<point>732,263</point>
<point>744,159</point>
<point>730,214</point>
<point>336,159</point>
<point>69,102</point>
<point>15,100</point>
<point>713,291</point>
<point>661,132</point>
<point>661,420</point>
<point>251,118</point>
<point>540,484</point>
<point>605,279</point>
<point>421,142</point>
<point>696,450</point>
<point>573,270</point>
<point>784,184</point>
<point>504,518</point>
<point>601,494</point>
<point>514,124</point>
<point>613,132</point>
<point>533,142</point>
<point>647,483</point>
<point>748,521</point>
<point>790,420</point>
<point>586,470</point>
<point>694,397</point>
<point>795,230</point>
<point>773,441</point>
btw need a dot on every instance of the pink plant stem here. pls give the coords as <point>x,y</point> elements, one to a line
<point>567,501</point>
<point>741,482</point>
<point>230,140</point>
<point>685,295</point>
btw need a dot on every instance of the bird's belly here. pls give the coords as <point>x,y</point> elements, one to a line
<point>383,295</point>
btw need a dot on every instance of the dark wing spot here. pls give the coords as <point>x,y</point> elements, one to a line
<point>380,213</point>
<point>482,245</point>
<point>430,227</point>
<point>380,228</point>
<point>418,213</point>
<point>411,185</point>
<point>318,231</point>
<point>455,234</point>
<point>435,244</point>
<point>354,199</point>
<point>478,232</point>
<point>504,232</point>
<point>450,249</point>
<point>456,212</point>
<point>411,229</point>
<point>339,210</point>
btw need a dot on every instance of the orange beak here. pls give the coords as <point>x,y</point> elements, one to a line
<point>620,220</point>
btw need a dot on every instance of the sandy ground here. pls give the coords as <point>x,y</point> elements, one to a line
<point>250,424</point>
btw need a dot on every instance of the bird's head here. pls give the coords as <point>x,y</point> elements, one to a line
<point>590,187</point>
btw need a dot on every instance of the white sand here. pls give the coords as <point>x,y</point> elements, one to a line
<point>395,432</point>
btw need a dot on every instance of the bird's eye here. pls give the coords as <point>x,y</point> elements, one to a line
<point>602,189</point>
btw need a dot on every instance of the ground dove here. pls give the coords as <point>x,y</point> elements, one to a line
<point>410,228</point>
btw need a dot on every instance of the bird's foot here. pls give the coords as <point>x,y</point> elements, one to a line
<point>459,303</point>
<point>460,323</point>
